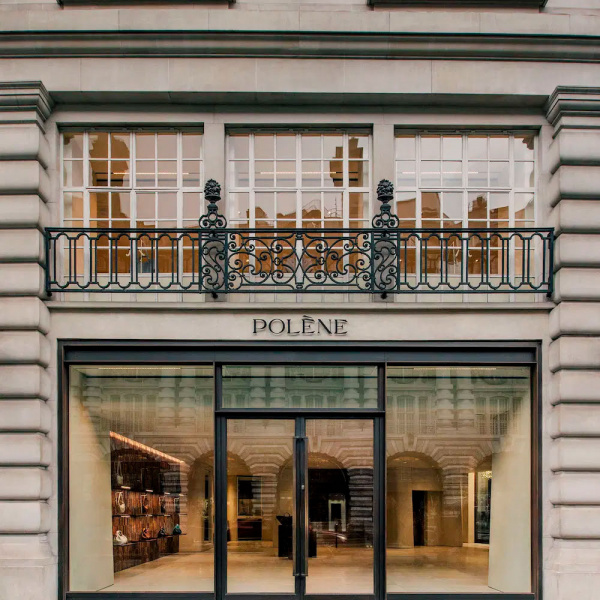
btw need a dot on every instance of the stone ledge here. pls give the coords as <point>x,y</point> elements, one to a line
<point>576,216</point>
<point>25,449</point>
<point>575,147</point>
<point>573,103</point>
<point>24,381</point>
<point>25,416</point>
<point>574,183</point>
<point>31,483</point>
<point>576,386</point>
<point>577,285</point>
<point>24,347</point>
<point>575,455</point>
<point>22,279</point>
<point>23,211</point>
<point>575,353</point>
<point>574,420</point>
<point>577,250</point>
<point>574,318</point>
<point>575,488</point>
<point>577,522</point>
<point>24,314</point>
<point>24,517</point>
<point>22,245</point>
<point>24,101</point>
<point>24,177</point>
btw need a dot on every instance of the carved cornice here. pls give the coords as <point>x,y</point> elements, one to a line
<point>299,44</point>
<point>574,108</point>
<point>24,102</point>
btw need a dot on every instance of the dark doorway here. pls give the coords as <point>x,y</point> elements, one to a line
<point>418,501</point>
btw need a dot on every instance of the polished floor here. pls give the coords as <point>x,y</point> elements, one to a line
<point>335,571</point>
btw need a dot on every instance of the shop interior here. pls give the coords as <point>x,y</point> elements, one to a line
<point>142,482</point>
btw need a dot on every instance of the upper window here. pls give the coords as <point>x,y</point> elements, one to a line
<point>307,180</point>
<point>476,181</point>
<point>124,179</point>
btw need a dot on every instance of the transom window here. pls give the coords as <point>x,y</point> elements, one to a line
<point>123,179</point>
<point>299,179</point>
<point>465,180</point>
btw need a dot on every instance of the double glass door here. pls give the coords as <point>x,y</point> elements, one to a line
<point>300,506</point>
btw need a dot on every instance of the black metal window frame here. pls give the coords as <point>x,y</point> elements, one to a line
<point>143,352</point>
<point>216,259</point>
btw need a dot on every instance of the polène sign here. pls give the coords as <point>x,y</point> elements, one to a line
<point>304,325</point>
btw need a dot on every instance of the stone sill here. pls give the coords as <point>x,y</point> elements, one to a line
<point>399,307</point>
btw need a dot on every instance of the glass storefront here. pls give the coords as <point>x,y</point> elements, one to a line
<point>316,479</point>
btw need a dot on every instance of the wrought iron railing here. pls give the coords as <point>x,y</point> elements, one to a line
<point>383,259</point>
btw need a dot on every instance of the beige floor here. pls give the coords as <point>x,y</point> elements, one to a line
<point>342,570</point>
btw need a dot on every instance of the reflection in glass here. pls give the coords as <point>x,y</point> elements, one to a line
<point>340,506</point>
<point>260,506</point>
<point>449,430</point>
<point>141,478</point>
<point>296,386</point>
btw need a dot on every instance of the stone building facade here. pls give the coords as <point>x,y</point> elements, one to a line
<point>384,70</point>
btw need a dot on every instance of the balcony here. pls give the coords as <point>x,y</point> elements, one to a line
<point>383,259</point>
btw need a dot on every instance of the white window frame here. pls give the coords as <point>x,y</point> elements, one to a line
<point>298,188</point>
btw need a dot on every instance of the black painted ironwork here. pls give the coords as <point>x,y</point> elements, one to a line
<point>383,259</point>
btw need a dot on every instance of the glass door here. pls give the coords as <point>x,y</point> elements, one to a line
<point>300,506</point>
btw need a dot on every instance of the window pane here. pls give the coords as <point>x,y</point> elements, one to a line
<point>119,173</point>
<point>333,146</point>
<point>499,206</point>
<point>99,209</point>
<point>288,386</point>
<point>286,145</point>
<point>405,147</point>
<point>73,145</point>
<point>146,209</point>
<point>73,206</point>
<point>478,208</point>
<point>98,145</point>
<point>265,205</point>
<point>264,146</point>
<point>311,206</point>
<point>191,173</point>
<point>73,173</point>
<point>240,170</point>
<point>469,426</point>
<point>311,145</point>
<point>524,175</point>
<point>524,206</point>
<point>406,209</point>
<point>430,205</point>
<point>453,207</point>
<point>358,146</point>
<point>286,174</point>
<point>478,174</point>
<point>358,205</point>
<point>431,147</point>
<point>286,207</point>
<point>98,173</point>
<point>311,173</point>
<point>192,205</point>
<point>145,173</point>
<point>452,174</point>
<point>144,145</point>
<point>192,145</point>
<point>452,147</point>
<point>264,173</point>
<point>120,145</point>
<point>141,499</point>
<point>499,147</point>
<point>477,147</point>
<point>167,173</point>
<point>240,206</point>
<point>120,206</point>
<point>239,145</point>
<point>499,176</point>
<point>430,173</point>
<point>358,175</point>
<point>405,173</point>
<point>524,147</point>
<point>333,206</point>
<point>167,145</point>
<point>167,205</point>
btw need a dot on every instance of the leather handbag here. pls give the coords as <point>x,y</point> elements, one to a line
<point>162,533</point>
<point>145,534</point>
<point>119,474</point>
<point>145,504</point>
<point>163,504</point>
<point>120,502</point>
<point>120,539</point>
<point>177,530</point>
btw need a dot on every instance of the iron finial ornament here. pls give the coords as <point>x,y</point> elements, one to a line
<point>212,219</point>
<point>385,219</point>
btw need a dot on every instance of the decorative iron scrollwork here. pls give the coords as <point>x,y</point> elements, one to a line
<point>382,259</point>
<point>212,219</point>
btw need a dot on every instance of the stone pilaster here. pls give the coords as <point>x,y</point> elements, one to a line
<point>574,411</point>
<point>27,563</point>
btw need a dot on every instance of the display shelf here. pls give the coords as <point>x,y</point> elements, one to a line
<point>127,516</point>
<point>154,539</point>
